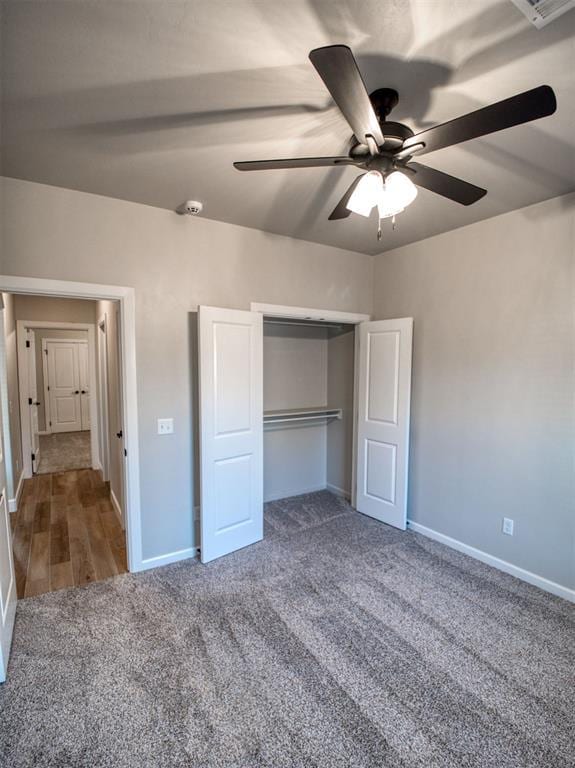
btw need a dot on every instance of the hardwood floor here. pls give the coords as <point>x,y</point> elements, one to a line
<point>66,533</point>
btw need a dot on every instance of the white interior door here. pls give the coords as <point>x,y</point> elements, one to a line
<point>7,575</point>
<point>231,430</point>
<point>64,386</point>
<point>84,382</point>
<point>383,419</point>
<point>33,400</point>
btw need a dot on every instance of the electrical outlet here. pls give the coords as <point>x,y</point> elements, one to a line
<point>165,426</point>
<point>507,526</point>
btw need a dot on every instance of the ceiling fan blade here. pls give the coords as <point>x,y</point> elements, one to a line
<point>527,106</point>
<point>443,184</point>
<point>338,69</point>
<point>341,211</point>
<point>297,162</point>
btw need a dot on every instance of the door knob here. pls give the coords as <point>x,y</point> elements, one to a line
<point>77,392</point>
<point>83,391</point>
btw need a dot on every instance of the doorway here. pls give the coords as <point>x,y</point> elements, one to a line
<point>17,474</point>
<point>362,389</point>
<point>68,526</point>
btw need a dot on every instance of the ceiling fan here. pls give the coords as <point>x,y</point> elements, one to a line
<point>385,149</point>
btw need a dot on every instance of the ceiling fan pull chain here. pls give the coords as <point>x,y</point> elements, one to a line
<point>393,222</point>
<point>379,228</point>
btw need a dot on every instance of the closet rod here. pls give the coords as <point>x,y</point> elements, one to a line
<point>306,323</point>
<point>332,413</point>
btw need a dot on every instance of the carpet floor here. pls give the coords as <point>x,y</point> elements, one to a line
<point>63,451</point>
<point>336,642</point>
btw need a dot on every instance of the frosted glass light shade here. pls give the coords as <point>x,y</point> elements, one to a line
<point>391,196</point>
<point>366,194</point>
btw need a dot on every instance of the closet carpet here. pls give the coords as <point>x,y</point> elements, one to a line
<point>336,642</point>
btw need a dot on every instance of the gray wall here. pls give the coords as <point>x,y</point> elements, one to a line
<point>110,310</point>
<point>174,263</point>
<point>295,376</point>
<point>340,384</point>
<point>493,382</point>
<point>52,310</point>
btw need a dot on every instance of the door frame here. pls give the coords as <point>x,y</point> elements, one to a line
<point>104,423</point>
<point>47,411</point>
<point>328,316</point>
<point>126,297</point>
<point>22,327</point>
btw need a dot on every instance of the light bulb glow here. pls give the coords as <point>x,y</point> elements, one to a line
<point>390,197</point>
<point>366,194</point>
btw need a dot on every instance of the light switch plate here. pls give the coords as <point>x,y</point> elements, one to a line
<point>508,526</point>
<point>165,426</point>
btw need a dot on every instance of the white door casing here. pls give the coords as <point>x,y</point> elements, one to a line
<point>33,400</point>
<point>7,574</point>
<point>64,386</point>
<point>384,396</point>
<point>84,381</point>
<point>231,430</point>
<point>104,426</point>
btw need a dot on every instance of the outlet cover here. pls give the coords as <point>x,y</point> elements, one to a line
<point>165,426</point>
<point>507,526</point>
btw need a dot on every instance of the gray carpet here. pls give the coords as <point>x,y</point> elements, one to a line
<point>336,642</point>
<point>63,451</point>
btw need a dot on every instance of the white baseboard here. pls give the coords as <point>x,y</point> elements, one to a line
<point>171,557</point>
<point>13,503</point>
<point>117,507</point>
<point>293,492</point>
<point>502,565</point>
<point>338,491</point>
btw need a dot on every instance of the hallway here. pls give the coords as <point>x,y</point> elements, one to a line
<point>66,533</point>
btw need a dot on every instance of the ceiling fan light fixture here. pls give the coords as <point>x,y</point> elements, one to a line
<point>366,194</point>
<point>390,196</point>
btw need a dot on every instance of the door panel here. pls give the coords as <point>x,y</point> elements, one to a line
<point>84,380</point>
<point>64,386</point>
<point>383,419</point>
<point>231,430</point>
<point>7,575</point>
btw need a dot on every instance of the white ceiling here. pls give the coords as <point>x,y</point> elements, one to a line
<point>152,101</point>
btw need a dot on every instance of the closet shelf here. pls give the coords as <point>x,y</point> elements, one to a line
<point>301,414</point>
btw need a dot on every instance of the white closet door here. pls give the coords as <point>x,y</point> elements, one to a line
<point>84,382</point>
<point>64,383</point>
<point>231,430</point>
<point>7,573</point>
<point>383,419</point>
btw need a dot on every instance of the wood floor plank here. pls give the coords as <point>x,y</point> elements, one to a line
<point>21,544</point>
<point>66,533</point>
<point>80,554</point>
<point>39,557</point>
<point>61,575</point>
<point>59,542</point>
<point>102,557</point>
<point>42,517</point>
<point>37,587</point>
<point>115,536</point>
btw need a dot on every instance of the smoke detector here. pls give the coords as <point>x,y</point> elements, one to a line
<point>190,208</point>
<point>542,12</point>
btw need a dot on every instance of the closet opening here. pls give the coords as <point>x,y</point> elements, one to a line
<point>308,400</point>
<point>299,410</point>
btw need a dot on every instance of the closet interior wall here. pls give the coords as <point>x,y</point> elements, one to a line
<point>306,367</point>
